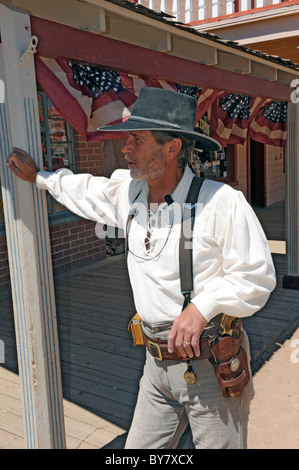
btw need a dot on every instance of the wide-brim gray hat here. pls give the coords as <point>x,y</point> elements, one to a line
<point>157,109</point>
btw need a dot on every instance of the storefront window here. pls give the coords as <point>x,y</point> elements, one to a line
<point>57,143</point>
<point>213,165</point>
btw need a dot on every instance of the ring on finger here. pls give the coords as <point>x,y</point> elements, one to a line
<point>186,342</point>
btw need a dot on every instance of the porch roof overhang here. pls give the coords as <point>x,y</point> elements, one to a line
<point>277,11</point>
<point>148,43</point>
<point>256,26</point>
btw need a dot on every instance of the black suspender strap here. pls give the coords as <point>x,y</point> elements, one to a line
<point>185,247</point>
<point>129,220</point>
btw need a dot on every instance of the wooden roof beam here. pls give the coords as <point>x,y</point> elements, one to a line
<point>56,40</point>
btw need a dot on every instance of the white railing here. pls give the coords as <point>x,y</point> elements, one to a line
<point>196,10</point>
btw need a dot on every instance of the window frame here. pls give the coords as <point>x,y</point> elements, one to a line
<point>64,215</point>
<point>230,178</point>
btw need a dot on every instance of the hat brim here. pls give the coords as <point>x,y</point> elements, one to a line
<point>203,141</point>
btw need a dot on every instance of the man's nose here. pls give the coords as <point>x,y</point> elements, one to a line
<point>128,145</point>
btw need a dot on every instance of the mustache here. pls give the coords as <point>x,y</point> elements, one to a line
<point>129,159</point>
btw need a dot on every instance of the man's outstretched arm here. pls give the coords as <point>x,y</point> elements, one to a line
<point>97,198</point>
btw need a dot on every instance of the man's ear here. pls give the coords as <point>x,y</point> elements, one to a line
<point>174,147</point>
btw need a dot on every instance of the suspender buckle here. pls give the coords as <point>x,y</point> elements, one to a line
<point>187,298</point>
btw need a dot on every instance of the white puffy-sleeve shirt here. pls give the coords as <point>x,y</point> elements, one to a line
<point>232,265</point>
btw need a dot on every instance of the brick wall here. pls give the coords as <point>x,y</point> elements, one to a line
<point>74,244</point>
<point>89,156</point>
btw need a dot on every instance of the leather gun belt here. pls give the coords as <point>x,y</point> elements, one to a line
<point>159,350</point>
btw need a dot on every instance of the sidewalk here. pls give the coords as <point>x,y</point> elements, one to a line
<point>274,415</point>
<point>83,429</point>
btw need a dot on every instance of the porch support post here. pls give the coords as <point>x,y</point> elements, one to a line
<point>27,233</point>
<point>291,279</point>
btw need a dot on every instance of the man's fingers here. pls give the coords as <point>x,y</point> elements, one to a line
<point>181,347</point>
<point>188,348</point>
<point>184,336</point>
<point>12,160</point>
<point>171,341</point>
<point>196,345</point>
<point>176,342</point>
<point>16,155</point>
<point>11,164</point>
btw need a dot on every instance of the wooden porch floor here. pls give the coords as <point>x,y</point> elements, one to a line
<point>100,367</point>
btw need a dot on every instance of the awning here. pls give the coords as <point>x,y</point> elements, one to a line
<point>89,97</point>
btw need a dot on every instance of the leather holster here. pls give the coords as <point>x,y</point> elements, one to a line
<point>230,364</point>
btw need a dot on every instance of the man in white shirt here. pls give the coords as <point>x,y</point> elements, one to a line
<point>232,270</point>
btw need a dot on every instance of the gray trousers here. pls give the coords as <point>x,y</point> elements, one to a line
<point>166,404</point>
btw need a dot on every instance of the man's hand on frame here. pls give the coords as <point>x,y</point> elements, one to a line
<point>22,165</point>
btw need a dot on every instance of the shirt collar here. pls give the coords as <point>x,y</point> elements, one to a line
<point>181,191</point>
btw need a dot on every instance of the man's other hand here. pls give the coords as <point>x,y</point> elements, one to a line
<point>22,165</point>
<point>186,332</point>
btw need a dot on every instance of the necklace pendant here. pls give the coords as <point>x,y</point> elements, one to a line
<point>189,375</point>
